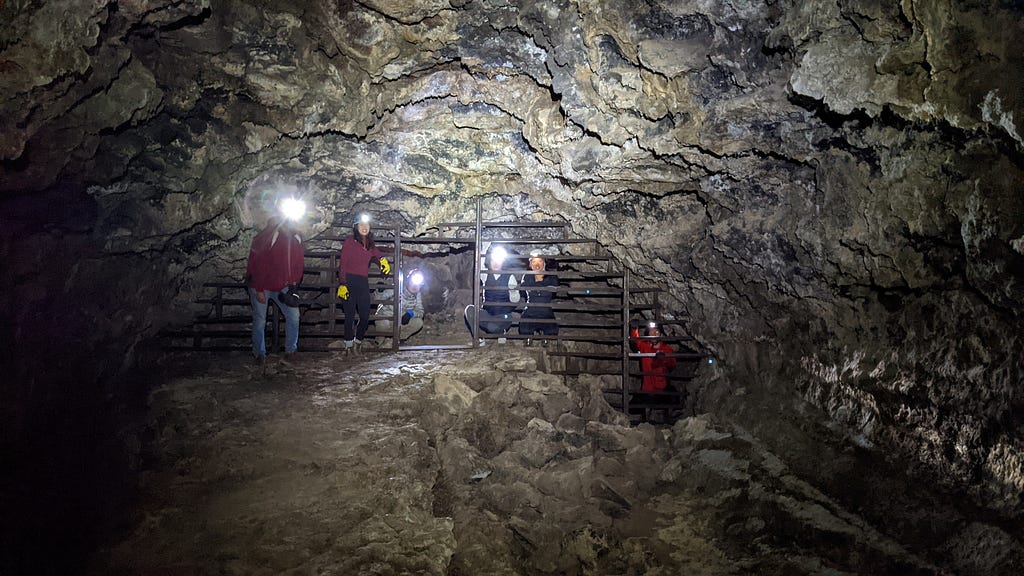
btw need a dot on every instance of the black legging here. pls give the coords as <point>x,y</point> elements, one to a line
<point>358,301</point>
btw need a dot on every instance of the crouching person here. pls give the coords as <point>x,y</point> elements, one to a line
<point>411,320</point>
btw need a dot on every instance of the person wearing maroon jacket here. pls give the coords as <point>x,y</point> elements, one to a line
<point>357,251</point>
<point>275,268</point>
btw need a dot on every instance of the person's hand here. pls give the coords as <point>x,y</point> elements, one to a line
<point>261,296</point>
<point>407,317</point>
<point>385,268</point>
<point>659,355</point>
<point>343,292</point>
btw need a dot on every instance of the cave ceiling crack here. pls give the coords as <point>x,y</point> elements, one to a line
<point>865,251</point>
<point>302,135</point>
<point>174,240</point>
<point>396,19</point>
<point>76,79</point>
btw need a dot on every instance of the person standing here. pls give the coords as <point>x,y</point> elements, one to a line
<point>411,320</point>
<point>501,295</point>
<point>656,363</point>
<point>357,251</point>
<point>538,289</point>
<point>274,269</point>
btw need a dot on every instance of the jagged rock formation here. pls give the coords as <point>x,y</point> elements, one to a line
<point>828,190</point>
<point>476,463</point>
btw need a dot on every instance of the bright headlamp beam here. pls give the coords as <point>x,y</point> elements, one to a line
<point>364,219</point>
<point>416,279</point>
<point>498,254</point>
<point>293,209</point>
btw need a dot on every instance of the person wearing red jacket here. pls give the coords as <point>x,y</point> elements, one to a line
<point>656,366</point>
<point>274,269</point>
<point>357,251</point>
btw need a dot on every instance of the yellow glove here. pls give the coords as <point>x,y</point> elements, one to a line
<point>385,267</point>
<point>343,292</point>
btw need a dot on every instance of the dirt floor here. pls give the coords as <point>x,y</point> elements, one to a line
<point>461,462</point>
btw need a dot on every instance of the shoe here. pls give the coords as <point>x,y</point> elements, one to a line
<point>261,361</point>
<point>482,342</point>
<point>502,340</point>
<point>288,359</point>
<point>385,344</point>
<point>357,348</point>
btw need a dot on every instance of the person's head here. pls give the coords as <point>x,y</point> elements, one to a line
<point>414,281</point>
<point>290,210</point>
<point>496,257</point>
<point>537,263</point>
<point>653,329</point>
<point>361,228</point>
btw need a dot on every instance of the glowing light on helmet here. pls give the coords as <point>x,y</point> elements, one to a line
<point>292,208</point>
<point>416,278</point>
<point>498,254</point>
<point>652,325</point>
<point>363,219</point>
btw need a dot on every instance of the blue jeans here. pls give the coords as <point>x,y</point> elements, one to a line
<point>259,323</point>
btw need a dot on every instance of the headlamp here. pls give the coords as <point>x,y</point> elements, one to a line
<point>363,219</point>
<point>416,278</point>
<point>652,325</point>
<point>498,254</point>
<point>292,208</point>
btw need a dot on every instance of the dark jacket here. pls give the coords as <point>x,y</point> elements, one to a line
<point>532,296</point>
<point>496,289</point>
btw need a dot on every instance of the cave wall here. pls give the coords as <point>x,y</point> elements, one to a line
<point>829,191</point>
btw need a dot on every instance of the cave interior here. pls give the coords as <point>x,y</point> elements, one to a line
<point>821,201</point>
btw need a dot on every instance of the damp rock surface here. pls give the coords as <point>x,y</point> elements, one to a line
<point>827,193</point>
<point>396,464</point>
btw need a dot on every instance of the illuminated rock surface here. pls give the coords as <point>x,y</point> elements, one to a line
<point>829,193</point>
<point>375,466</point>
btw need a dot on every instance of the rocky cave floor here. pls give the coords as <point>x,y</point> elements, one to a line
<point>469,462</point>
